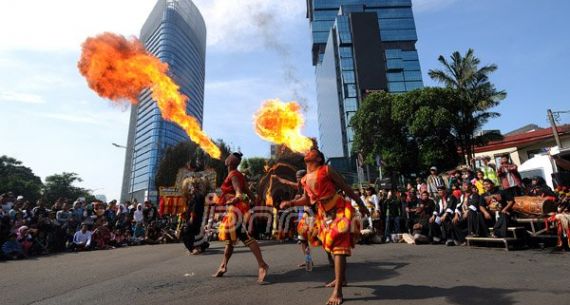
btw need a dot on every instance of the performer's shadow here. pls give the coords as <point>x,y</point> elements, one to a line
<point>463,295</point>
<point>359,272</point>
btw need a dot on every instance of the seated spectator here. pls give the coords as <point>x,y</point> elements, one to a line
<point>153,234</point>
<point>562,218</point>
<point>24,237</point>
<point>443,216</point>
<point>138,233</point>
<point>496,208</point>
<point>102,235</point>
<point>539,187</point>
<point>468,214</point>
<point>119,238</point>
<point>82,239</point>
<point>422,228</point>
<point>12,248</point>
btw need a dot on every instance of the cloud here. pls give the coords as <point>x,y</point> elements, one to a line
<point>20,97</point>
<point>47,25</point>
<point>421,6</point>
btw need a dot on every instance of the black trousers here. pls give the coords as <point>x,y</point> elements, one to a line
<point>502,224</point>
<point>451,231</point>
<point>476,224</point>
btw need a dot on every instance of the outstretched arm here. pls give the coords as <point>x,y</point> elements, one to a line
<point>301,201</point>
<point>285,181</point>
<point>341,184</point>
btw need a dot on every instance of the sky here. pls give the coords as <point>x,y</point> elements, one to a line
<point>52,122</point>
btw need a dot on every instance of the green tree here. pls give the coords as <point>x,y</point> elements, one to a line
<point>254,167</point>
<point>19,179</point>
<point>410,131</point>
<point>188,153</point>
<point>475,96</point>
<point>62,186</point>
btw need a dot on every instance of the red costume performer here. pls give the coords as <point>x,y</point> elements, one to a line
<point>233,226</point>
<point>336,228</point>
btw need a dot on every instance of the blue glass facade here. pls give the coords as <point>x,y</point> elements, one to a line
<point>359,59</point>
<point>175,32</point>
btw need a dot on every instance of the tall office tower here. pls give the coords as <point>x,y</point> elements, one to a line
<point>175,32</point>
<point>359,46</point>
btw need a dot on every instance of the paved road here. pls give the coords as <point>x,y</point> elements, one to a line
<point>379,274</point>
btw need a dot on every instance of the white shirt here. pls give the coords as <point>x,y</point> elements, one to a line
<point>81,238</point>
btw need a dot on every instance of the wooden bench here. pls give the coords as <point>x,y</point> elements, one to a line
<point>518,237</point>
<point>504,241</point>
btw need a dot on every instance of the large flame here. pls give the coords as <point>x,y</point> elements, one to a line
<point>119,69</point>
<point>281,123</point>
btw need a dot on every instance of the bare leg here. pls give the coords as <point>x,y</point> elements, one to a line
<point>333,282</point>
<point>304,250</point>
<point>228,251</point>
<point>339,271</point>
<point>263,267</point>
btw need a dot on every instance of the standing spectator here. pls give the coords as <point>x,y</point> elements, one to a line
<point>510,177</point>
<point>138,215</point>
<point>7,202</point>
<point>478,181</point>
<point>489,170</point>
<point>58,205</point>
<point>419,183</point>
<point>40,209</point>
<point>434,181</point>
<point>82,239</point>
<point>392,211</point>
<point>150,212</point>
<point>373,205</point>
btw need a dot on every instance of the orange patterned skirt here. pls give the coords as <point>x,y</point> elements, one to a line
<point>234,221</point>
<point>338,229</point>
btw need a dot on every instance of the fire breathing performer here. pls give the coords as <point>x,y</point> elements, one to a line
<point>336,229</point>
<point>236,197</point>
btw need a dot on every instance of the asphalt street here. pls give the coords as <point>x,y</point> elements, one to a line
<point>378,274</point>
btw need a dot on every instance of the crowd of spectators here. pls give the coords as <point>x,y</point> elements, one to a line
<point>464,202</point>
<point>28,229</point>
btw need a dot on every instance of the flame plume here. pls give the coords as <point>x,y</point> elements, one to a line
<point>281,123</point>
<point>119,69</point>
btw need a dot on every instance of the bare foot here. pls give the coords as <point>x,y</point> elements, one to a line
<point>196,252</point>
<point>220,272</point>
<point>335,299</point>
<point>333,282</point>
<point>262,274</point>
<point>303,265</point>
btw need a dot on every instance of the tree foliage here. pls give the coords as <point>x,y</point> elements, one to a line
<point>19,179</point>
<point>62,186</point>
<point>189,154</point>
<point>410,131</point>
<point>254,168</point>
<point>474,94</point>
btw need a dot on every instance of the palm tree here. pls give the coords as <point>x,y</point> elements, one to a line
<point>476,95</point>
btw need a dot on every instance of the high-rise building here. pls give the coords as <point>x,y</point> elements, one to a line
<point>175,32</point>
<point>358,46</point>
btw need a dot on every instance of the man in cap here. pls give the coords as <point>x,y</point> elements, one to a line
<point>434,181</point>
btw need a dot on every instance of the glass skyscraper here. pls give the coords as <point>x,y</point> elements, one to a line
<point>358,46</point>
<point>175,32</point>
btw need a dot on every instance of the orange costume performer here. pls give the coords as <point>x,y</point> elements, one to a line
<point>233,226</point>
<point>336,227</point>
